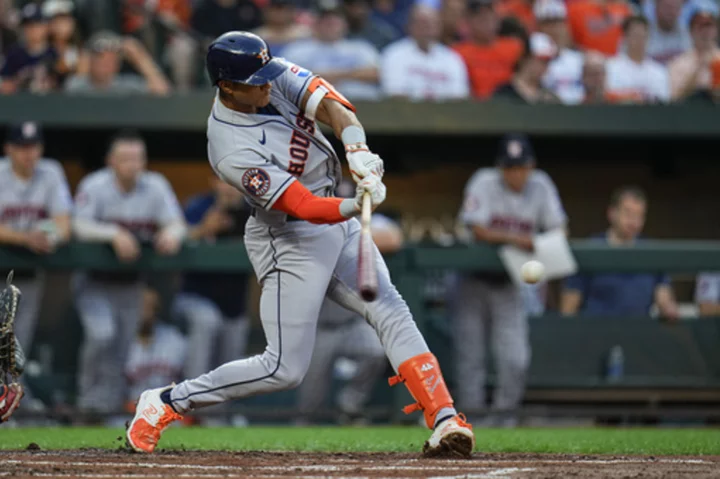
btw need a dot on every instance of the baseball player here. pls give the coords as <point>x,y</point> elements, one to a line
<point>302,242</point>
<point>125,206</point>
<point>35,206</point>
<point>343,333</point>
<point>503,205</point>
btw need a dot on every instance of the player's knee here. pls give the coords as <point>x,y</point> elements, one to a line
<point>516,364</point>
<point>290,376</point>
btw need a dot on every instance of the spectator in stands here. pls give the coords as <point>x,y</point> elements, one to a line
<point>157,355</point>
<point>453,18</point>
<point>593,78</point>
<point>212,18</point>
<point>526,85</point>
<point>361,27</point>
<point>711,96</point>
<point>392,12</point>
<point>613,294</point>
<point>344,334</point>
<point>350,65</point>
<point>213,306</point>
<point>280,26</point>
<point>419,67</point>
<point>564,73</point>
<point>690,71</point>
<point>27,64</point>
<point>669,37</point>
<point>8,37</point>
<point>707,294</point>
<point>631,73</point>
<point>490,60</point>
<point>521,10</point>
<point>106,53</point>
<point>597,24</point>
<point>72,59</point>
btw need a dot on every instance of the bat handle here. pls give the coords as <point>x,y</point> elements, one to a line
<point>366,211</point>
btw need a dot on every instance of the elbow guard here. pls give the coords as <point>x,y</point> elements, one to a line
<point>319,88</point>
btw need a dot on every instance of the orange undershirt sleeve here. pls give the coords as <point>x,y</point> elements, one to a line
<point>297,201</point>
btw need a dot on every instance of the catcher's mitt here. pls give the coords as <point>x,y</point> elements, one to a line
<point>12,359</point>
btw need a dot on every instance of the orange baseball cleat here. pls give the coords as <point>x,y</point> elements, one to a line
<point>152,417</point>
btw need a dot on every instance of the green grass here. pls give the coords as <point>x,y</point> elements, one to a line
<point>385,439</point>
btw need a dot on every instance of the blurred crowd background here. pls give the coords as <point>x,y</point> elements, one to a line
<point>528,51</point>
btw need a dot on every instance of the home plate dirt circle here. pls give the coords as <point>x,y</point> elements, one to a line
<point>209,464</point>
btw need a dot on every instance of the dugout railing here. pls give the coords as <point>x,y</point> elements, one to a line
<point>671,370</point>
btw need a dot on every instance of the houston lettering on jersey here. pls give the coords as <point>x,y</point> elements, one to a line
<point>23,212</point>
<point>511,224</point>
<point>299,145</point>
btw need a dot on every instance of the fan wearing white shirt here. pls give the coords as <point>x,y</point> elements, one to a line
<point>564,73</point>
<point>633,73</point>
<point>419,67</point>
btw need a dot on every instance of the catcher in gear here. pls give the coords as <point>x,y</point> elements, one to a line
<point>12,359</point>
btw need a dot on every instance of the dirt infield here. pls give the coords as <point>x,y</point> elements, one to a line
<point>206,464</point>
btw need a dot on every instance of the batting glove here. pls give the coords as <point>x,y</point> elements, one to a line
<point>362,162</point>
<point>375,187</point>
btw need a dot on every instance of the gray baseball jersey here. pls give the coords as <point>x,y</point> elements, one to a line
<point>142,211</point>
<point>24,203</point>
<point>262,154</point>
<point>23,206</point>
<point>479,300</point>
<point>296,262</point>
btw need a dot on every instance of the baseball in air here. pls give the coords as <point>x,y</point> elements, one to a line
<point>532,271</point>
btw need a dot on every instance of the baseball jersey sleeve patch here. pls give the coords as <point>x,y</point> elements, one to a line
<point>256,181</point>
<point>299,72</point>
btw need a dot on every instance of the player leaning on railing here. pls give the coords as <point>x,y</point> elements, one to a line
<point>12,359</point>
<point>303,243</point>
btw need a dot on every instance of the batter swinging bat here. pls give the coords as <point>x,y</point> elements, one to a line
<point>367,274</point>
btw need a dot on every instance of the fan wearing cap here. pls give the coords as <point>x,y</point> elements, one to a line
<point>350,65</point>
<point>362,27</point>
<point>28,63</point>
<point>281,26</point>
<point>421,68</point>
<point>690,71</point>
<point>490,60</point>
<point>503,205</point>
<point>107,51</point>
<point>35,208</point>
<point>597,24</point>
<point>65,39</point>
<point>564,73</point>
<point>526,85</point>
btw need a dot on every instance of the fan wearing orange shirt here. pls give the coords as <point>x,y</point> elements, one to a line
<point>597,24</point>
<point>490,60</point>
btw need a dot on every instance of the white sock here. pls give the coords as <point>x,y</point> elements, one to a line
<point>444,413</point>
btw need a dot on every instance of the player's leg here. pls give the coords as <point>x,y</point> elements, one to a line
<point>96,353</point>
<point>314,389</point>
<point>126,302</point>
<point>405,347</point>
<point>469,320</point>
<point>204,321</point>
<point>511,349</point>
<point>359,342</point>
<point>294,266</point>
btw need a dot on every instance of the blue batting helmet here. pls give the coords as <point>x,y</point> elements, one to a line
<point>242,57</point>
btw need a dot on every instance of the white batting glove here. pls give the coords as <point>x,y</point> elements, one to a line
<point>375,187</point>
<point>363,162</point>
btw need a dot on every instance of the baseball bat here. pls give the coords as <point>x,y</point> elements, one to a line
<point>367,274</point>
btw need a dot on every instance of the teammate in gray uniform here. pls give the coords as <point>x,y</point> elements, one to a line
<point>125,206</point>
<point>35,206</point>
<point>343,333</point>
<point>303,243</point>
<point>503,205</point>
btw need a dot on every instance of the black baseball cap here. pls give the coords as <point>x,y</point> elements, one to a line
<point>25,133</point>
<point>31,13</point>
<point>515,150</point>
